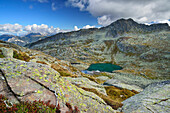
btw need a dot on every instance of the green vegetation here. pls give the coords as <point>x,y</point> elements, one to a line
<point>88,41</point>
<point>105,67</point>
<point>115,95</point>
<point>109,43</point>
<point>1,54</point>
<point>114,104</point>
<point>103,74</point>
<point>41,62</point>
<point>33,107</point>
<point>21,56</point>
<point>63,72</point>
<point>119,94</point>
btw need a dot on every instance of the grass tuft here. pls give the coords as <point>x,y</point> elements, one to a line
<point>21,56</point>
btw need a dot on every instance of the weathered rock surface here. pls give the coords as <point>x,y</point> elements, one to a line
<point>129,81</point>
<point>104,78</point>
<point>154,99</point>
<point>7,52</point>
<point>85,82</point>
<point>31,81</point>
<point>40,78</point>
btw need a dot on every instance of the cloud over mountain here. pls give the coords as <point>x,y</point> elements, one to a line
<point>88,27</point>
<point>19,29</point>
<point>108,11</point>
<point>11,28</point>
<point>84,27</point>
<point>44,29</point>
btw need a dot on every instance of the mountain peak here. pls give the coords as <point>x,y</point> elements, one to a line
<point>124,21</point>
<point>31,34</point>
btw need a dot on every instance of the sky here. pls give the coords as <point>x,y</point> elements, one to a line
<point>53,16</point>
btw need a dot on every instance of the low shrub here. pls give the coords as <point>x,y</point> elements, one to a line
<point>63,72</point>
<point>21,56</point>
<point>119,94</point>
<point>41,62</point>
<point>33,107</point>
<point>1,54</point>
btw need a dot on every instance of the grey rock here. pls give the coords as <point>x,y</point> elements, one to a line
<point>103,77</point>
<point>129,81</point>
<point>7,52</point>
<point>154,99</point>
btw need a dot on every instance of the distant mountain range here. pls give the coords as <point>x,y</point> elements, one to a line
<point>124,42</point>
<point>29,38</point>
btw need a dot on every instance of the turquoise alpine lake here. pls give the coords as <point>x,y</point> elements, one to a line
<point>104,67</point>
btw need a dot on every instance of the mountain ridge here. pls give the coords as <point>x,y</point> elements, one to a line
<point>127,25</point>
<point>22,40</point>
<point>124,42</point>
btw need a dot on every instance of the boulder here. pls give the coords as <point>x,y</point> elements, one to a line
<point>129,81</point>
<point>104,78</point>
<point>154,99</point>
<point>7,52</point>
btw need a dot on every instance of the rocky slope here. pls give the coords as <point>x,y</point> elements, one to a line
<point>140,49</point>
<point>29,75</point>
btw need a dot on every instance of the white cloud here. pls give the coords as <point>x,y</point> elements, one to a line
<point>104,20</point>
<point>77,3</point>
<point>161,21</point>
<point>42,1</point>
<point>164,21</point>
<point>84,27</point>
<point>76,28</point>
<point>53,6</point>
<point>88,27</point>
<point>11,28</point>
<point>43,29</point>
<point>19,29</point>
<point>108,11</point>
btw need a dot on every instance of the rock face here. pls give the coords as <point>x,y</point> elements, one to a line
<point>38,76</point>
<point>154,99</point>
<point>129,81</point>
<point>140,49</point>
<point>31,81</point>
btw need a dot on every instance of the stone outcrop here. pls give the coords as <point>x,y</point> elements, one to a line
<point>129,81</point>
<point>31,81</point>
<point>42,80</point>
<point>154,99</point>
<point>7,52</point>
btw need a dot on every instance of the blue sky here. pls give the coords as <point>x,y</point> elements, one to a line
<point>53,16</point>
<point>34,12</point>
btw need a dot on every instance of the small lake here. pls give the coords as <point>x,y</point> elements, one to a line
<point>104,67</point>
